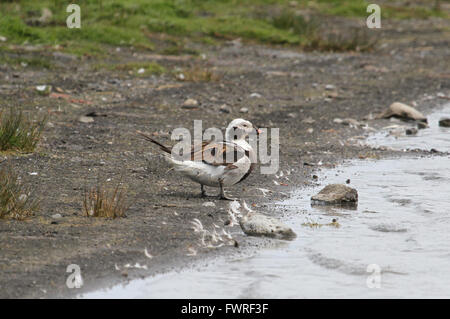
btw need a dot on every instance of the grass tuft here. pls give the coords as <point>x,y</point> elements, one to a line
<point>100,202</point>
<point>15,199</point>
<point>198,74</point>
<point>356,40</point>
<point>18,133</point>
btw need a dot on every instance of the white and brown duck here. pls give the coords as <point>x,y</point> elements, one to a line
<point>217,164</point>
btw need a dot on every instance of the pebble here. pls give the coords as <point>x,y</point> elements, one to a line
<point>56,216</point>
<point>255,224</point>
<point>330,87</point>
<point>422,125</point>
<point>190,104</point>
<point>243,110</point>
<point>444,122</point>
<point>225,108</point>
<point>309,120</point>
<point>44,89</point>
<point>86,119</point>
<point>411,131</point>
<point>209,204</point>
<point>403,111</point>
<point>348,121</point>
<point>255,95</point>
<point>336,194</point>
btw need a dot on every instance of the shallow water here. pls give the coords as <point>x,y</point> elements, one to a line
<point>433,137</point>
<point>400,227</point>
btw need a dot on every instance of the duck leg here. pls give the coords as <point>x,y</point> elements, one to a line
<point>222,193</point>
<point>203,194</point>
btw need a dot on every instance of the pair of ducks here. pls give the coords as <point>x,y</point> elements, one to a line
<point>217,164</point>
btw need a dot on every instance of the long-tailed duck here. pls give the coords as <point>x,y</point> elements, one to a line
<point>217,164</point>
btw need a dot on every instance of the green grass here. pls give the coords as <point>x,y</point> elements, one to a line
<point>17,133</point>
<point>15,200</point>
<point>133,22</point>
<point>34,62</point>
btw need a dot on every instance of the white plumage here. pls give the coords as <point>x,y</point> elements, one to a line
<point>213,166</point>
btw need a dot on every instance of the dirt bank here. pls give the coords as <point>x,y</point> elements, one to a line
<point>410,61</point>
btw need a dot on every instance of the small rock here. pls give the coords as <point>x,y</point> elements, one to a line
<point>310,130</point>
<point>348,121</point>
<point>332,95</point>
<point>209,204</point>
<point>254,224</point>
<point>86,119</point>
<point>411,131</point>
<point>56,216</point>
<point>444,122</point>
<point>3,39</point>
<point>404,112</point>
<point>243,110</point>
<point>309,120</point>
<point>422,125</point>
<point>141,71</point>
<point>44,89</point>
<point>255,95</point>
<point>336,194</point>
<point>330,87</point>
<point>225,108</point>
<point>190,104</point>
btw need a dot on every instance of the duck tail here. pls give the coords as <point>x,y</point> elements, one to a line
<point>161,146</point>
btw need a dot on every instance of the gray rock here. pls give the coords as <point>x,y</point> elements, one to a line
<point>254,224</point>
<point>411,131</point>
<point>336,194</point>
<point>348,121</point>
<point>404,112</point>
<point>422,125</point>
<point>56,216</point>
<point>256,95</point>
<point>86,119</point>
<point>209,204</point>
<point>225,108</point>
<point>444,122</point>
<point>190,104</point>
<point>243,110</point>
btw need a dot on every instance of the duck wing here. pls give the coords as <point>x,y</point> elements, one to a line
<point>218,154</point>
